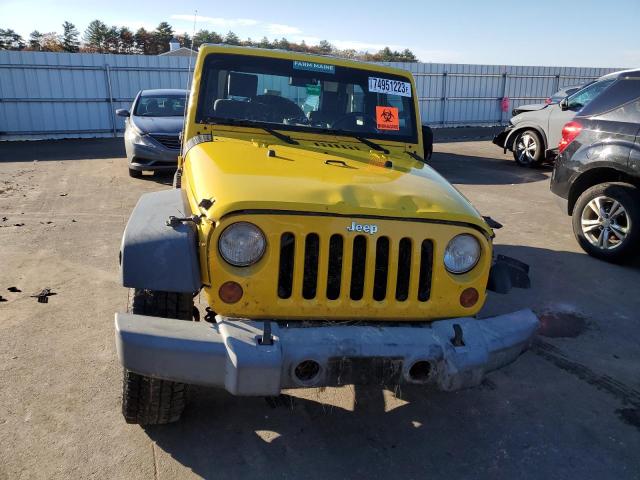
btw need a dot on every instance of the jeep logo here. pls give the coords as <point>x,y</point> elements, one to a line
<point>371,229</point>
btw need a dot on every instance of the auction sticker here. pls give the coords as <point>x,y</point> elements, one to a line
<point>387,118</point>
<point>394,87</point>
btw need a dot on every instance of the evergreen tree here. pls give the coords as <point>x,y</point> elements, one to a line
<point>35,41</point>
<point>265,43</point>
<point>231,39</point>
<point>205,36</point>
<point>161,37</point>
<point>70,42</point>
<point>10,40</point>
<point>95,36</point>
<point>144,42</point>
<point>325,47</point>
<point>126,41</point>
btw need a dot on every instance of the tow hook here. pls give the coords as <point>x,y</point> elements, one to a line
<point>266,338</point>
<point>175,221</point>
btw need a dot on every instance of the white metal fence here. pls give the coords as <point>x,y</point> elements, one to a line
<point>63,95</point>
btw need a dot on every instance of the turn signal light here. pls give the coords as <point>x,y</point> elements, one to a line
<point>230,292</point>
<point>569,133</point>
<point>469,297</point>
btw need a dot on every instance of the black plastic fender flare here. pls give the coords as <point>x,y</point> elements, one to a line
<point>156,256</point>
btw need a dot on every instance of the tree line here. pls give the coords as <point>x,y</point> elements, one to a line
<point>101,38</point>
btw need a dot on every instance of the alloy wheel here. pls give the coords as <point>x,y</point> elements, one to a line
<point>526,148</point>
<point>605,222</point>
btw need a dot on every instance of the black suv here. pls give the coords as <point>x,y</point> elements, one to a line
<point>597,174</point>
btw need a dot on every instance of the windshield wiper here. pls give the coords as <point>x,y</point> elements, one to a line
<point>415,156</point>
<point>248,123</point>
<point>371,144</point>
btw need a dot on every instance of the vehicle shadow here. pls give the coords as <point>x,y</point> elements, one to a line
<point>67,149</point>
<point>414,432</point>
<point>471,170</point>
<point>162,178</point>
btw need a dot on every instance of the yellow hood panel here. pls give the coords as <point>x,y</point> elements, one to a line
<point>240,175</point>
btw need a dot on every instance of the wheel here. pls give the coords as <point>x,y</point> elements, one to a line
<point>135,173</point>
<point>152,401</point>
<point>528,149</point>
<point>606,221</point>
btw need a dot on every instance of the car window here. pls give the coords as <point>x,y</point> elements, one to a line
<point>160,106</point>
<point>629,112</point>
<point>617,103</point>
<point>584,96</point>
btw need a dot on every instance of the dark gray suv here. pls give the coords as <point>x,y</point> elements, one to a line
<point>597,173</point>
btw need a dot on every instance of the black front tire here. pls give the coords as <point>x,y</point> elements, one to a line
<point>147,400</point>
<point>530,139</point>
<point>135,173</point>
<point>628,197</point>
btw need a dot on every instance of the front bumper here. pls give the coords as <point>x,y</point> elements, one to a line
<point>230,354</point>
<point>501,138</point>
<point>156,158</point>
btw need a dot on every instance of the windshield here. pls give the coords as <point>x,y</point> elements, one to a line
<point>584,96</point>
<point>160,106</point>
<point>562,94</point>
<point>306,96</point>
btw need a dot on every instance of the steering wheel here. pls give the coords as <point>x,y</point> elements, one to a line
<point>349,120</point>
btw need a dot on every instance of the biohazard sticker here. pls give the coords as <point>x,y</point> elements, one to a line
<point>387,118</point>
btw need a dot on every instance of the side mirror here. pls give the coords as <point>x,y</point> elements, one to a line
<point>564,104</point>
<point>121,112</point>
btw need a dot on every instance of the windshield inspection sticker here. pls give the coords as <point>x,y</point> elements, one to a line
<point>314,67</point>
<point>394,87</point>
<point>387,118</point>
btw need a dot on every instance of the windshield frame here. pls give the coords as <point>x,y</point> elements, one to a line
<point>208,66</point>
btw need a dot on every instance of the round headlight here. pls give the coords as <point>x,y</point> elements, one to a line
<point>242,244</point>
<point>462,253</point>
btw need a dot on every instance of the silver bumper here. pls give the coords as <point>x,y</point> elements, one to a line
<point>229,354</point>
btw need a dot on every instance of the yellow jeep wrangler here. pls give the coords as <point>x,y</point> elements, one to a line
<point>328,251</point>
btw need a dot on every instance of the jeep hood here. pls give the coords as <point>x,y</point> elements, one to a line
<point>240,175</point>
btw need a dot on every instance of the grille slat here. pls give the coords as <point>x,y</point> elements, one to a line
<point>169,141</point>
<point>360,268</point>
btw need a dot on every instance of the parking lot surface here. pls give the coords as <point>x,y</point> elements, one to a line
<point>568,408</point>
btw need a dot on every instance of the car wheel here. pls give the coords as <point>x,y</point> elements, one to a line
<point>528,149</point>
<point>148,400</point>
<point>135,173</point>
<point>606,221</point>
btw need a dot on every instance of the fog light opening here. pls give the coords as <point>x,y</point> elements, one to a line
<point>230,292</point>
<point>420,371</point>
<point>307,371</point>
<point>469,297</point>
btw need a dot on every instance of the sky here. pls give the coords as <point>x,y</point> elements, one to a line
<point>590,33</point>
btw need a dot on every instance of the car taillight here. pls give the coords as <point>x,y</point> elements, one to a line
<point>547,101</point>
<point>569,133</point>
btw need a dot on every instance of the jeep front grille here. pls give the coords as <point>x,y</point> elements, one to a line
<point>359,267</point>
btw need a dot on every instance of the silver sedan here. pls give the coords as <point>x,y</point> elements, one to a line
<point>152,130</point>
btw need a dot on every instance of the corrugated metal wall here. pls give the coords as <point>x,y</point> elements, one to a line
<point>62,95</point>
<point>460,94</point>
